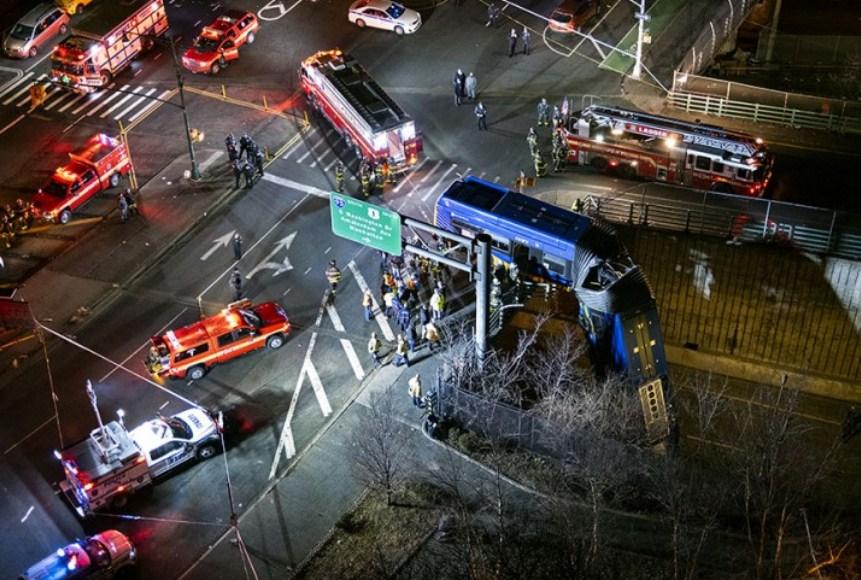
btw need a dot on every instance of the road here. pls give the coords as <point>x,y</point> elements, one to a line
<point>284,221</point>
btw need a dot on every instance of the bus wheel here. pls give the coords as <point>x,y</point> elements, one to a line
<point>196,373</point>
<point>600,163</point>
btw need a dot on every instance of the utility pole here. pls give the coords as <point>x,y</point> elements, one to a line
<point>772,31</point>
<point>641,17</point>
<point>482,293</point>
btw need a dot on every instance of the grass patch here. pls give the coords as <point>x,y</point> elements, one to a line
<point>374,539</point>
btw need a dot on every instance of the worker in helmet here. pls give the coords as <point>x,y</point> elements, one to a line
<point>339,177</point>
<point>333,275</point>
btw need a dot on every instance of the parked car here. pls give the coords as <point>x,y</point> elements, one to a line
<point>34,30</point>
<point>386,15</point>
<point>573,15</point>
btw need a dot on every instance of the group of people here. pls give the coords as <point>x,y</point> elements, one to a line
<point>466,88</point>
<point>15,219</point>
<point>128,205</point>
<point>372,176</point>
<point>559,154</point>
<point>252,164</point>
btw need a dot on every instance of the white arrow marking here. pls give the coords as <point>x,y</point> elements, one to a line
<point>218,243</point>
<point>279,267</point>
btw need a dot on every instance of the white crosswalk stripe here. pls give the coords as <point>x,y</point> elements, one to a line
<point>72,102</point>
<point>134,105</point>
<point>24,88</point>
<point>120,102</point>
<point>152,105</point>
<point>109,98</point>
<point>62,96</point>
<point>92,98</point>
<point>17,83</point>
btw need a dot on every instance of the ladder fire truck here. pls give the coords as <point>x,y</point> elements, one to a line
<point>379,131</point>
<point>659,148</point>
<point>105,41</point>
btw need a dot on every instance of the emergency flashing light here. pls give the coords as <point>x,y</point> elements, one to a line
<point>408,132</point>
<point>88,486</point>
<point>73,562</point>
<point>60,552</point>
<point>380,141</point>
<point>671,142</point>
<point>759,141</point>
<point>121,488</point>
<point>599,137</point>
<point>140,459</point>
<point>57,455</point>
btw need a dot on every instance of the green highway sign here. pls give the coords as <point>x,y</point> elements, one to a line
<point>366,223</point>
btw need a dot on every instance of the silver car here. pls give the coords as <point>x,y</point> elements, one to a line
<point>34,30</point>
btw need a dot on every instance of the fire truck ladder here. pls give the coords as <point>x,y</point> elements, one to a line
<point>354,83</point>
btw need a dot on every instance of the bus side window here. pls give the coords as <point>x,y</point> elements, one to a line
<point>555,265</point>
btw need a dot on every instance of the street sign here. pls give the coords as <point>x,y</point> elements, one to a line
<point>366,223</point>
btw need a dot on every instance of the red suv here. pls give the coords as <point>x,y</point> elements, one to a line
<point>219,42</point>
<point>572,15</point>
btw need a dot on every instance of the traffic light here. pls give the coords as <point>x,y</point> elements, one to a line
<point>37,95</point>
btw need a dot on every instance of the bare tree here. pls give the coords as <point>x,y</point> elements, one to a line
<point>380,441</point>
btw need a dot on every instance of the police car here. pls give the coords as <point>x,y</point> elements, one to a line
<point>386,15</point>
<point>100,556</point>
<point>168,442</point>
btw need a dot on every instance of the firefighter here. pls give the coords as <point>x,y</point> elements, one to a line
<point>379,176</point>
<point>365,176</point>
<point>540,165</point>
<point>333,276</point>
<point>236,283</point>
<point>237,171</point>
<point>258,160</point>
<point>532,141</point>
<point>7,231</point>
<point>557,117</point>
<point>124,208</point>
<point>248,171</point>
<point>560,153</point>
<point>543,113</point>
<point>339,177</point>
<point>390,171</point>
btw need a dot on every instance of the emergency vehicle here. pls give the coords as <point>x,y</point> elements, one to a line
<point>103,555</point>
<point>235,331</point>
<point>96,166</point>
<point>340,89</point>
<point>104,42</point>
<point>664,149</point>
<point>218,43</point>
<point>112,463</point>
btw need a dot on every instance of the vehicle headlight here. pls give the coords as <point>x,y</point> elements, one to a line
<point>408,132</point>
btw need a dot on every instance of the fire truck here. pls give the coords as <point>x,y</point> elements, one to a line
<point>341,90</point>
<point>235,331</point>
<point>104,469</point>
<point>95,167</point>
<point>105,41</point>
<point>656,148</point>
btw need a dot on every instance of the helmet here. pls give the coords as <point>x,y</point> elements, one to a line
<point>19,202</point>
<point>332,263</point>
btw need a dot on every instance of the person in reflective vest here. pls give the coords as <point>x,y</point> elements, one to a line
<point>540,165</point>
<point>339,177</point>
<point>333,275</point>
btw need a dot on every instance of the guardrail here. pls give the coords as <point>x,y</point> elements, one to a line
<point>737,218</point>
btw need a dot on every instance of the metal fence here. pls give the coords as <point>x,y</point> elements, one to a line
<point>725,19</point>
<point>723,98</point>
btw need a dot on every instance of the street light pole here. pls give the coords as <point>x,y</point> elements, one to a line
<point>641,16</point>
<point>195,170</point>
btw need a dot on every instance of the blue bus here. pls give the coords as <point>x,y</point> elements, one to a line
<point>617,307</point>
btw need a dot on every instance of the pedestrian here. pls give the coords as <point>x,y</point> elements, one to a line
<point>471,87</point>
<point>543,113</point>
<point>532,141</point>
<point>237,171</point>
<point>248,171</point>
<point>492,15</point>
<point>431,336</point>
<point>411,337</point>
<point>437,303</point>
<point>124,208</point>
<point>374,346</point>
<point>459,84</point>
<point>389,302</point>
<point>512,43</point>
<point>130,201</point>
<point>258,161</point>
<point>424,315</point>
<point>402,352</point>
<point>237,246</point>
<point>524,36</point>
<point>579,205</point>
<point>404,318</point>
<point>415,390</point>
<point>540,165</point>
<point>236,284</point>
<point>368,305</point>
<point>339,177</point>
<point>481,115</point>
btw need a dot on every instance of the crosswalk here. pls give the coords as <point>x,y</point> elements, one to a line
<point>118,102</point>
<point>323,147</point>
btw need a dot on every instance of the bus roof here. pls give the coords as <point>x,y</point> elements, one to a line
<point>101,18</point>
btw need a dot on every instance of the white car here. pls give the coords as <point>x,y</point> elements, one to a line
<point>386,15</point>
<point>171,441</point>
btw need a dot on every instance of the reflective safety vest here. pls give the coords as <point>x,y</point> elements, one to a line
<point>374,345</point>
<point>333,274</point>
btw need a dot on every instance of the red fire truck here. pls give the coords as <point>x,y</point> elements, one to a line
<point>95,167</point>
<point>105,41</point>
<point>659,148</point>
<point>341,90</point>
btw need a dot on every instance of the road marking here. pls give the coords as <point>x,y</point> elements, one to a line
<point>23,90</point>
<point>210,160</point>
<point>30,434</point>
<point>292,149</point>
<point>290,184</point>
<point>16,83</point>
<point>382,321</point>
<point>72,102</point>
<point>163,405</point>
<point>40,61</point>
<point>311,149</point>
<point>280,267</point>
<point>151,106</point>
<point>12,124</point>
<point>125,111</point>
<point>110,98</point>
<point>410,175</point>
<point>319,391</point>
<point>27,515</point>
<point>217,244</point>
<point>61,99</point>
<point>438,182</point>
<point>358,371</point>
<point>120,102</point>
<point>431,172</point>
<point>308,269</point>
<point>123,362</point>
<point>95,97</point>
<point>273,6</point>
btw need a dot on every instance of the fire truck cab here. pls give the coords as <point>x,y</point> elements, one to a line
<point>188,352</point>
<point>218,43</point>
<point>96,166</point>
<point>340,89</point>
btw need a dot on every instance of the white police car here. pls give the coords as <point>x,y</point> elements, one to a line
<point>168,442</point>
<point>99,556</point>
<point>385,15</point>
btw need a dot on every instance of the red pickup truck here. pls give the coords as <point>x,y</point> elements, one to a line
<point>96,166</point>
<point>219,42</point>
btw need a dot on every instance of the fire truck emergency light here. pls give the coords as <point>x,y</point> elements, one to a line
<point>408,132</point>
<point>671,142</point>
